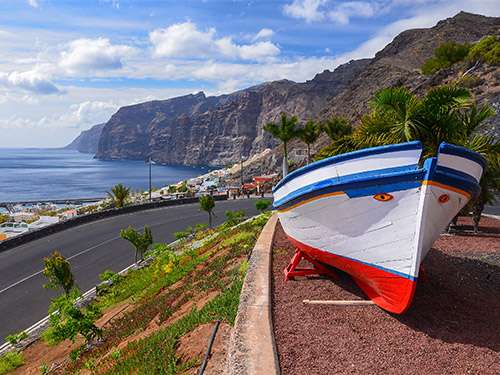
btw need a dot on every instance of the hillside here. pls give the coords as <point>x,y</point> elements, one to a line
<point>157,318</point>
<point>87,141</point>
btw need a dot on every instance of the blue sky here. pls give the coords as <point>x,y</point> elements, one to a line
<point>67,65</point>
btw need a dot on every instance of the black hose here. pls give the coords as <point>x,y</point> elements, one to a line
<point>209,349</point>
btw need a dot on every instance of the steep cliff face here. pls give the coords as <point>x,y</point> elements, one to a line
<point>200,130</point>
<point>400,61</point>
<point>87,141</point>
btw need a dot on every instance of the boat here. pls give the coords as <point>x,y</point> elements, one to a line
<point>375,213</point>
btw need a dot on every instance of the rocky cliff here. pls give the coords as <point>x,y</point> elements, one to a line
<point>87,141</point>
<point>200,130</point>
<point>217,130</point>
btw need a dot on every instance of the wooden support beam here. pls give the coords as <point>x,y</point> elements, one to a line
<point>339,302</point>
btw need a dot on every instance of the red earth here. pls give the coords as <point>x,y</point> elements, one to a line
<point>452,326</point>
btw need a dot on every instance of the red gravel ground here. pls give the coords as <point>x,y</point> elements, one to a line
<point>453,326</point>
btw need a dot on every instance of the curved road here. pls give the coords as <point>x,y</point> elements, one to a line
<point>91,249</point>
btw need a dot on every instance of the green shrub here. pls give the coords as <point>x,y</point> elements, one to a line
<point>16,337</point>
<point>184,233</point>
<point>67,321</point>
<point>3,218</point>
<point>234,217</point>
<point>262,204</point>
<point>486,50</point>
<point>9,361</point>
<point>239,238</point>
<point>107,275</point>
<point>445,56</point>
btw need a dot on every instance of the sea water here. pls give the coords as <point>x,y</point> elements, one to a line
<point>44,174</point>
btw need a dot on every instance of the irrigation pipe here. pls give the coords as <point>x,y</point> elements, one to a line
<point>201,371</point>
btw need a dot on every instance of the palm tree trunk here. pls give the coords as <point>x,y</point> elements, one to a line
<point>308,153</point>
<point>210,219</point>
<point>285,160</point>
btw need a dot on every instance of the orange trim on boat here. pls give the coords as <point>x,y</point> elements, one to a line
<point>311,200</point>
<point>424,182</point>
<point>447,187</point>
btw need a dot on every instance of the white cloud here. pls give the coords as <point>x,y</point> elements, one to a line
<point>89,113</point>
<point>342,13</point>
<point>184,40</point>
<point>305,9</point>
<point>35,81</point>
<point>33,3</point>
<point>264,33</point>
<point>91,55</point>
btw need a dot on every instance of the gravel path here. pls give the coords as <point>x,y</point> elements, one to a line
<point>452,328</point>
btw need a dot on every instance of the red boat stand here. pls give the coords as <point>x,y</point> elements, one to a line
<point>292,270</point>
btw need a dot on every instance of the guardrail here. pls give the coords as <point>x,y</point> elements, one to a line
<point>84,219</point>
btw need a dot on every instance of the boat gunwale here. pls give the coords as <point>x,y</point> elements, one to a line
<point>407,175</point>
<point>413,145</point>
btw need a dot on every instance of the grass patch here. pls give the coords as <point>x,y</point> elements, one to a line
<point>10,361</point>
<point>217,264</point>
<point>156,353</point>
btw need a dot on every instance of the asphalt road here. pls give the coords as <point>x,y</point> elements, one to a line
<point>91,249</point>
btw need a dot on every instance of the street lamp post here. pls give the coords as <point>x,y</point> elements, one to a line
<point>150,162</point>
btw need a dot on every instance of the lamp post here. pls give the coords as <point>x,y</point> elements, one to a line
<point>150,162</point>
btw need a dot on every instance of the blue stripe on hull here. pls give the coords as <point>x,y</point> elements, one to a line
<point>345,182</point>
<point>415,145</point>
<point>358,187</point>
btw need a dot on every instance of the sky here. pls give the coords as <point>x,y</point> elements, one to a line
<point>70,64</point>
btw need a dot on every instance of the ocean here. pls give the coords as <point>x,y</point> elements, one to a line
<point>44,174</point>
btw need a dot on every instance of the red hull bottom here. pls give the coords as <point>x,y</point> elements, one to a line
<point>389,291</point>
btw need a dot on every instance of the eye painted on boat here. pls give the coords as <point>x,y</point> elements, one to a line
<point>443,198</point>
<point>383,197</point>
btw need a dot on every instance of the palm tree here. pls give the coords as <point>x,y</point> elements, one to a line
<point>309,134</point>
<point>285,131</point>
<point>207,204</point>
<point>336,127</point>
<point>119,194</point>
<point>445,113</point>
<point>140,241</point>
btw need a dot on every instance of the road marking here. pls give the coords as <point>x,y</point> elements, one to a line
<point>105,242</point>
<point>69,258</point>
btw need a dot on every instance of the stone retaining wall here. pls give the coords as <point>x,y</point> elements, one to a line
<point>252,349</point>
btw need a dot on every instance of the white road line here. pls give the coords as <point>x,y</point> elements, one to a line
<point>85,251</point>
<point>71,257</point>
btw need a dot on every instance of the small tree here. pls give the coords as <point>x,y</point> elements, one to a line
<point>285,131</point>
<point>337,127</point>
<point>207,204</point>
<point>262,205</point>
<point>67,320</point>
<point>309,134</point>
<point>58,272</point>
<point>140,241</point>
<point>119,194</point>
